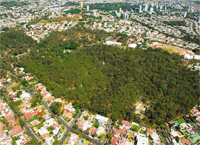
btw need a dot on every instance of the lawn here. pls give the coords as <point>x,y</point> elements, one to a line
<point>181,120</point>
<point>142,131</point>
<point>135,128</point>
<point>170,49</point>
<point>35,117</point>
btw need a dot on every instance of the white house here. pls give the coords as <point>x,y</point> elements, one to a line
<point>100,130</point>
<point>142,140</point>
<point>25,96</point>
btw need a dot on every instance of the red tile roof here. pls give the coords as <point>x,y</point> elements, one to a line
<point>93,130</point>
<point>51,99</point>
<point>114,140</point>
<point>55,125</point>
<point>127,123</point>
<point>9,116</point>
<point>39,114</point>
<point>28,115</point>
<point>16,129</point>
<point>120,131</point>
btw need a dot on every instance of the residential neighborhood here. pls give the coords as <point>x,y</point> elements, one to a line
<point>31,112</point>
<point>46,128</point>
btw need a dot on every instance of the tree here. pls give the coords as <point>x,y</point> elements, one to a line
<point>110,135</point>
<point>102,136</point>
<point>19,93</point>
<point>55,107</point>
<point>75,126</point>
<point>24,82</point>
<point>32,142</point>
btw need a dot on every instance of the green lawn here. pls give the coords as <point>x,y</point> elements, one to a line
<point>181,120</point>
<point>135,128</point>
<point>35,117</point>
<point>142,132</point>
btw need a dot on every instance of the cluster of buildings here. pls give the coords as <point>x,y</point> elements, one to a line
<point>10,126</point>
<point>48,129</point>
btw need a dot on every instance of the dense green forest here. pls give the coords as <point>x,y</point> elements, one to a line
<point>13,3</point>
<point>175,23</point>
<point>112,6</point>
<point>109,80</point>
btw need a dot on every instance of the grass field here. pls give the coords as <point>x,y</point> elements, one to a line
<point>59,19</point>
<point>172,50</point>
<point>181,120</point>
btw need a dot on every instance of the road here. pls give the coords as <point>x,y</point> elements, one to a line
<point>164,137</point>
<point>196,128</point>
<point>57,117</point>
<point>72,124</point>
<point>25,125</point>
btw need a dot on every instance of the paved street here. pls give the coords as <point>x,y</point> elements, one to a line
<point>69,128</point>
<point>196,128</point>
<point>25,125</point>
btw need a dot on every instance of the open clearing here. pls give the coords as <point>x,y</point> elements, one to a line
<point>171,49</point>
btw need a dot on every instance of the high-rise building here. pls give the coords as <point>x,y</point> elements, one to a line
<point>185,14</point>
<point>126,16</point>
<point>198,21</point>
<point>88,7</point>
<point>120,10</point>
<point>165,8</point>
<point>151,10</point>
<point>81,5</point>
<point>140,8</point>
<point>146,7</point>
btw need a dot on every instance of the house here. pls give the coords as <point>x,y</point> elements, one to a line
<point>130,40</point>
<point>49,122</point>
<point>69,108</point>
<point>68,115</point>
<point>193,111</point>
<point>34,122</point>
<point>50,100</point>
<point>126,124</point>
<point>92,130</point>
<point>13,122</point>
<point>39,114</point>
<point>101,119</point>
<point>119,132</point>
<point>73,140</point>
<point>185,142</point>
<point>142,140</point>
<point>10,116</point>
<point>114,140</point>
<point>43,133</point>
<point>16,131</point>
<point>25,96</point>
<point>56,131</point>
<point>1,126</point>
<point>25,105</point>
<point>29,115</point>
<point>4,138</point>
<point>153,134</point>
<point>49,141</point>
<point>100,130</point>
<point>46,116</point>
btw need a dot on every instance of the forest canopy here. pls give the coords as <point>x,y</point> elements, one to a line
<point>108,80</point>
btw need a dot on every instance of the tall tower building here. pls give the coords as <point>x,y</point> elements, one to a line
<point>81,5</point>
<point>88,7</point>
<point>120,10</point>
<point>146,7</point>
<point>140,8</point>
<point>185,14</point>
<point>198,21</point>
<point>151,10</point>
